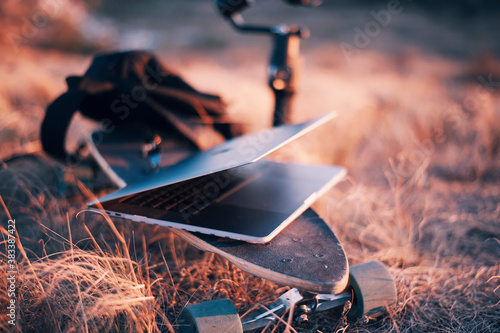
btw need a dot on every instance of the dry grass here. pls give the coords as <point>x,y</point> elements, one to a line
<point>422,149</point>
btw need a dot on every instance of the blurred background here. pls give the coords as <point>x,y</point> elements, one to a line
<point>46,40</point>
<point>455,28</point>
<point>418,98</point>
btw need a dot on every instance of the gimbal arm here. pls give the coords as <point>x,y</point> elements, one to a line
<point>285,55</point>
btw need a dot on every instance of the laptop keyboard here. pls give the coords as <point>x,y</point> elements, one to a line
<point>196,194</point>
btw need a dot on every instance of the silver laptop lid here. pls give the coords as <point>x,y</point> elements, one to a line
<point>230,154</point>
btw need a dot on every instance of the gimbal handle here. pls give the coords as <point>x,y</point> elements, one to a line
<point>285,55</point>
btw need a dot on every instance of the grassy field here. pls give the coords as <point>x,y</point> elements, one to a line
<point>418,130</point>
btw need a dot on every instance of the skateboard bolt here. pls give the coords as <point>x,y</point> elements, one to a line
<point>304,308</point>
<point>302,319</point>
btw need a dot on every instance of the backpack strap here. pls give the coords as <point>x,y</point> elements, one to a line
<point>57,119</point>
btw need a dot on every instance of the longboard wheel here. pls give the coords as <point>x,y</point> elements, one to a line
<point>210,317</point>
<point>374,290</point>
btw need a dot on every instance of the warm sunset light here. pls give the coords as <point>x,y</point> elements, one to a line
<point>135,186</point>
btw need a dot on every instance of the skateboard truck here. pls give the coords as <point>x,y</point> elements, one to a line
<point>261,318</point>
<point>370,291</point>
<point>293,299</point>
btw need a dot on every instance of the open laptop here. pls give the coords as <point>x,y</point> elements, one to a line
<point>229,190</point>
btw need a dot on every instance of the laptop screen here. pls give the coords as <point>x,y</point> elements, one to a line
<point>232,153</point>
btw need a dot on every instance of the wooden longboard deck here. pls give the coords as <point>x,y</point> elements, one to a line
<point>119,153</point>
<point>305,255</point>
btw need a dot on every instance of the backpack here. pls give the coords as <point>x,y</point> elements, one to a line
<point>134,87</point>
